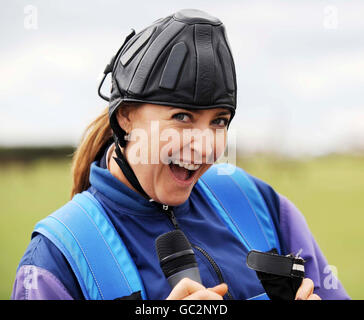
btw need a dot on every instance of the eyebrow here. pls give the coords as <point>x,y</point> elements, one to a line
<point>221,113</point>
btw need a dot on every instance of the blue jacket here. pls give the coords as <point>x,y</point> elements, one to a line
<point>139,223</point>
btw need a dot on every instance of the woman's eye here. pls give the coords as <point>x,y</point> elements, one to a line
<point>221,122</point>
<point>181,116</point>
<point>185,117</point>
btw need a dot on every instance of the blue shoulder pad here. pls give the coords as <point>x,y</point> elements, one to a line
<point>102,264</point>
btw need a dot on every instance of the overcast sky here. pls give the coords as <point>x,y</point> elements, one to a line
<point>299,64</point>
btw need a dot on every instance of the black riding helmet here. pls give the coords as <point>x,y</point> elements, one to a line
<point>183,60</point>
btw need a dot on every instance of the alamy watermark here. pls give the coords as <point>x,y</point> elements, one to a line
<point>331,17</point>
<point>30,17</point>
<point>330,281</point>
<point>191,146</point>
<point>30,277</point>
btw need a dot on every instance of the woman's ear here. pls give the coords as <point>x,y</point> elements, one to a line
<point>123,116</point>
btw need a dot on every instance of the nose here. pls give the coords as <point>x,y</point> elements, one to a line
<point>202,146</point>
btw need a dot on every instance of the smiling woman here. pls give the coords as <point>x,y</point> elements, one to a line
<point>145,167</point>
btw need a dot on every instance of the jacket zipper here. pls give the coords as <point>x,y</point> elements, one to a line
<point>215,267</point>
<point>169,212</point>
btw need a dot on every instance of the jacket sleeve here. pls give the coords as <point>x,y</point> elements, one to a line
<point>298,238</point>
<point>35,283</point>
<point>44,274</point>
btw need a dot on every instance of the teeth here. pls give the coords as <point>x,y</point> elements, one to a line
<point>188,166</point>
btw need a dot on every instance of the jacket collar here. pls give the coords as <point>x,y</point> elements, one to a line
<point>104,182</point>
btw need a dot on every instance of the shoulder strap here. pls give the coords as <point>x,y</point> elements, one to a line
<point>101,262</point>
<point>272,200</point>
<point>238,201</point>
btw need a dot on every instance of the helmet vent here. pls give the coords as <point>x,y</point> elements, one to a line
<point>146,65</point>
<point>136,46</point>
<point>224,57</point>
<point>173,66</point>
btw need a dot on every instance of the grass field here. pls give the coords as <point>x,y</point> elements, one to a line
<point>329,191</point>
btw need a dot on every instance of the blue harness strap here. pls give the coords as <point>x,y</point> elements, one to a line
<point>102,264</point>
<point>237,200</point>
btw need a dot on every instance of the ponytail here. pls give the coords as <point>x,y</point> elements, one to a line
<point>94,139</point>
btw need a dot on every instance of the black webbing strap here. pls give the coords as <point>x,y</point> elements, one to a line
<point>127,170</point>
<point>267,262</point>
<point>134,296</point>
<point>129,174</point>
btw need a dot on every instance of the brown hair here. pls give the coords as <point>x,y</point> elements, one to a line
<point>97,133</point>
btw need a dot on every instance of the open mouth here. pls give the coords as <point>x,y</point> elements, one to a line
<point>183,172</point>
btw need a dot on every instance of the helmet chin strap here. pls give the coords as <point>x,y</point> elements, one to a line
<point>126,169</point>
<point>129,174</point>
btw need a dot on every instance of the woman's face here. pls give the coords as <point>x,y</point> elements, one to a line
<point>170,148</point>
